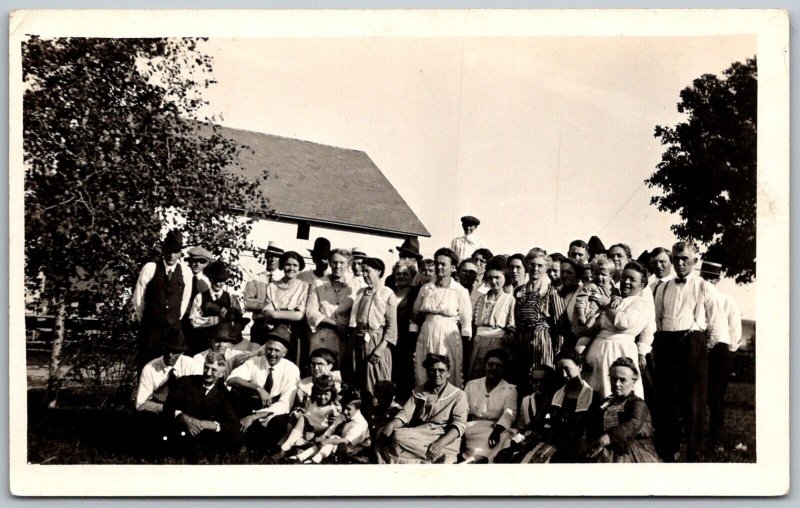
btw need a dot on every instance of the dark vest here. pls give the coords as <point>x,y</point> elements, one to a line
<point>162,297</point>
<point>210,307</point>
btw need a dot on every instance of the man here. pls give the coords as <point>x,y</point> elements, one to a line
<point>408,251</point>
<point>465,245</point>
<point>227,340</point>
<point>355,275</point>
<point>467,277</point>
<point>255,291</point>
<point>689,324</point>
<point>154,381</point>
<point>212,307</point>
<point>160,298</point>
<point>319,255</point>
<point>719,358</point>
<point>265,388</point>
<point>198,413</point>
<point>197,258</point>
<point>595,247</point>
<point>661,266</point>
<point>578,251</point>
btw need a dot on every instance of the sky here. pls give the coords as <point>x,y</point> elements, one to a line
<point>545,139</point>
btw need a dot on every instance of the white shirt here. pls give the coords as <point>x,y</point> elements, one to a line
<point>693,305</point>
<point>731,334</point>
<point>644,341</point>
<point>285,376</point>
<point>199,360</point>
<point>658,284</point>
<point>155,374</point>
<point>465,245</point>
<point>146,275</point>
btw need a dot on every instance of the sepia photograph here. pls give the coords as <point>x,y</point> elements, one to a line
<point>353,251</point>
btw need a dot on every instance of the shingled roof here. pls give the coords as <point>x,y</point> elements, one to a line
<point>325,185</point>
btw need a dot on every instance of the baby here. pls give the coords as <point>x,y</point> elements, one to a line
<point>587,312</point>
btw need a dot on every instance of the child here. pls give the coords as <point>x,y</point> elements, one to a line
<point>385,408</point>
<point>314,418</point>
<point>587,313</point>
<point>348,437</point>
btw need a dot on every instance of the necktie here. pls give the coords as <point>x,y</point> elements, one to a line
<point>658,285</point>
<point>269,382</point>
<point>679,280</point>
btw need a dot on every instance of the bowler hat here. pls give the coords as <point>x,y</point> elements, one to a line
<point>713,270</point>
<point>469,220</point>
<point>410,246</point>
<point>217,270</point>
<point>173,242</point>
<point>173,339</point>
<point>272,248</point>
<point>322,247</point>
<point>280,334</point>
<point>644,258</point>
<point>199,252</point>
<point>596,245</point>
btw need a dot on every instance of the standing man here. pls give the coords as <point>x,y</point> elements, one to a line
<point>661,266</point>
<point>689,324</point>
<point>719,358</point>
<point>255,291</point>
<point>319,254</point>
<point>197,258</point>
<point>578,251</point>
<point>160,298</point>
<point>212,308</point>
<point>354,276</point>
<point>465,245</point>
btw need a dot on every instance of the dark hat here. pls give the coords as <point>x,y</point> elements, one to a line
<point>714,270</point>
<point>217,270</point>
<point>596,245</point>
<point>173,339</point>
<point>644,258</point>
<point>228,332</point>
<point>358,252</point>
<point>173,242</point>
<point>199,252</point>
<point>469,220</point>
<point>410,246</point>
<point>280,334</point>
<point>322,247</point>
<point>272,248</point>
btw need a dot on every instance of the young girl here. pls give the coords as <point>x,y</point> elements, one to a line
<point>348,437</point>
<point>587,313</point>
<point>314,418</point>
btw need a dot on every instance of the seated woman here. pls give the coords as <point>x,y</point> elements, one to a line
<point>492,409</point>
<point>623,421</point>
<point>431,423</point>
<point>618,329</point>
<point>494,318</point>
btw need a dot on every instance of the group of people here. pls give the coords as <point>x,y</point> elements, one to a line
<point>467,356</point>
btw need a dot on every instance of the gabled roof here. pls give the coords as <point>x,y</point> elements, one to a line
<point>325,185</point>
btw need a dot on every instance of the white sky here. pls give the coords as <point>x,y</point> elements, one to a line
<point>545,139</point>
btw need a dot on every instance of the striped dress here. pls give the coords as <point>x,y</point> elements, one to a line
<point>534,342</point>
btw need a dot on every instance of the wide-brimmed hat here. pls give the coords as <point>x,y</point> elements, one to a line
<point>199,253</point>
<point>217,270</point>
<point>469,220</point>
<point>173,242</point>
<point>280,334</point>
<point>596,245</point>
<point>410,246</point>
<point>228,332</point>
<point>644,258</point>
<point>272,248</point>
<point>358,252</point>
<point>322,247</point>
<point>173,339</point>
<point>714,270</point>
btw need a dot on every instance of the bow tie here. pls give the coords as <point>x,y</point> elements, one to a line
<point>679,280</point>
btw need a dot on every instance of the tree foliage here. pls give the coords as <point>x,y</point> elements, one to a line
<point>708,171</point>
<point>115,144</point>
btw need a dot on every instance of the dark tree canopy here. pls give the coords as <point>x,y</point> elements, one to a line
<point>708,171</point>
<point>115,143</point>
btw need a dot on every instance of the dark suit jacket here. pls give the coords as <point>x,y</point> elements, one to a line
<point>190,397</point>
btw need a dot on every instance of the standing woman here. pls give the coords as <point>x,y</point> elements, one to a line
<point>515,267</point>
<point>329,305</point>
<point>403,362</point>
<point>442,306</point>
<point>286,302</point>
<point>562,302</point>
<point>493,317</point>
<point>534,344</point>
<point>374,323</point>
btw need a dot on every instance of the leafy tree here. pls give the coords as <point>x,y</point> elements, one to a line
<point>115,148</point>
<point>708,171</point>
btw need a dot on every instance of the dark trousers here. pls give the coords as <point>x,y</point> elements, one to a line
<point>681,382</point>
<point>719,372</point>
<point>266,438</point>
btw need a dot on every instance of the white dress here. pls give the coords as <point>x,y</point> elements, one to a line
<point>485,410</point>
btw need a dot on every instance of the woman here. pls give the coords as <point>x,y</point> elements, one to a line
<point>429,427</point>
<point>620,254</point>
<point>563,305</point>
<point>619,326</point>
<point>442,306</point>
<point>623,421</point>
<point>492,409</point>
<point>406,293</point>
<point>534,344</point>
<point>286,302</point>
<point>374,327</point>
<point>515,267</point>
<point>329,305</point>
<point>493,316</point>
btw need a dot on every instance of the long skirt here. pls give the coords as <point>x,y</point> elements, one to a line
<point>366,373</point>
<point>410,444</point>
<point>639,451</point>
<point>534,346</point>
<point>440,328</point>
<point>326,337</point>
<point>601,354</point>
<point>476,439</point>
<point>480,347</point>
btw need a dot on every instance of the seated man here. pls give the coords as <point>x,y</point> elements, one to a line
<point>264,389</point>
<point>227,340</point>
<point>198,414</point>
<point>153,381</point>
